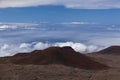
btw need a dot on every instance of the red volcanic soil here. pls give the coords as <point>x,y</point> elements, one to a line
<point>110,50</point>
<point>56,55</point>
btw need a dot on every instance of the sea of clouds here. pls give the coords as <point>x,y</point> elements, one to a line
<point>84,37</point>
<point>9,50</point>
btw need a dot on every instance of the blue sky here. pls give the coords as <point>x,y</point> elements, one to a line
<point>59,14</point>
<point>85,25</point>
<point>98,11</point>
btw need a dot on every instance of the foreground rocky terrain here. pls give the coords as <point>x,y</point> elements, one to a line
<point>12,68</point>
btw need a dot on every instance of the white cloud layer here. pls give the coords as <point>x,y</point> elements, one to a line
<point>4,26</point>
<point>78,23</point>
<point>79,4</point>
<point>25,37</point>
<point>9,50</point>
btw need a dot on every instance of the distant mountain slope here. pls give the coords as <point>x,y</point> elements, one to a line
<point>110,50</point>
<point>56,55</point>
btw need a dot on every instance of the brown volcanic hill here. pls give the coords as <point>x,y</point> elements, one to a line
<point>56,55</point>
<point>110,50</point>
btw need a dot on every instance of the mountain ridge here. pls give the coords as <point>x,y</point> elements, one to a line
<point>57,55</point>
